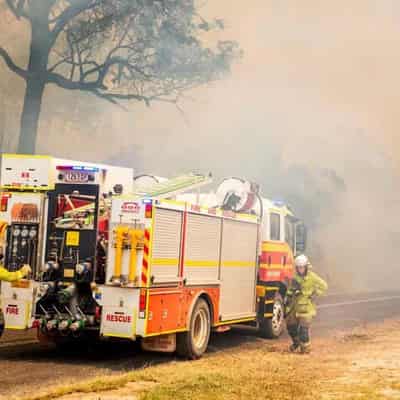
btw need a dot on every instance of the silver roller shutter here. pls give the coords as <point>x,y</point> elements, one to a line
<point>238,269</point>
<point>166,244</point>
<point>202,247</point>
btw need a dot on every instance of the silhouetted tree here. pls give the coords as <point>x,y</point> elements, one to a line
<point>118,50</point>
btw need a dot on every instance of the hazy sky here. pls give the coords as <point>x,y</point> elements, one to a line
<point>311,71</point>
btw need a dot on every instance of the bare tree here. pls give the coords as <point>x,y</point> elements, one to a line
<point>118,50</point>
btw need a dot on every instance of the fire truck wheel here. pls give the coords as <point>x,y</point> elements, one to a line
<point>272,328</point>
<point>193,343</point>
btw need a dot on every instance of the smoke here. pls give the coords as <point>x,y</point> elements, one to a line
<point>310,113</point>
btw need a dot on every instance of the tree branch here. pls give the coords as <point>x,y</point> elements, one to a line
<point>11,65</point>
<point>71,12</point>
<point>109,99</point>
<point>118,96</point>
<point>17,9</point>
<point>65,83</point>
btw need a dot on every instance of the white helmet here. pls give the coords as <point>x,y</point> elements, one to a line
<point>302,261</point>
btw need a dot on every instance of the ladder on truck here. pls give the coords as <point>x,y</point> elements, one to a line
<point>174,186</point>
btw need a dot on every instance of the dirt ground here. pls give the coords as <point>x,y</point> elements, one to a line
<point>362,363</point>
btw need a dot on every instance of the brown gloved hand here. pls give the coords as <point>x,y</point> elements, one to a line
<point>25,270</point>
<point>314,297</point>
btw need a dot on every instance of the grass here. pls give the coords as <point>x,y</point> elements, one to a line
<point>199,386</point>
<point>101,384</point>
<point>250,372</point>
<point>356,335</point>
<point>337,368</point>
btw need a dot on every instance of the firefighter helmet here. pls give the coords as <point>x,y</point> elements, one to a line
<point>301,261</point>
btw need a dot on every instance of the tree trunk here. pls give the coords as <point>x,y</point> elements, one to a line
<point>37,74</point>
<point>2,124</point>
<point>30,115</point>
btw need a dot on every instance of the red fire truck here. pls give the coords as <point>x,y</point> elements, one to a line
<point>177,271</point>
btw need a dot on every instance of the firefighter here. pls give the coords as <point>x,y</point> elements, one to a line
<point>12,276</point>
<point>300,307</point>
<point>4,274</point>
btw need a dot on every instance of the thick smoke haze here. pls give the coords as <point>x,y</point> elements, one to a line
<point>310,112</point>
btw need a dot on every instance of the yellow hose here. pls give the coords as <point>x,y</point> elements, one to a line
<point>120,235</point>
<point>136,237</point>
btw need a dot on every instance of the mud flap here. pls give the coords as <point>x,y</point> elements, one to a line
<point>162,344</point>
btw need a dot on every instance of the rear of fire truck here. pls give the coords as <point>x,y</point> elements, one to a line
<point>56,213</point>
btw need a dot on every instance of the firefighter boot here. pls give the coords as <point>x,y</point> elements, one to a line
<point>294,346</point>
<point>293,333</point>
<point>305,348</point>
<point>304,335</point>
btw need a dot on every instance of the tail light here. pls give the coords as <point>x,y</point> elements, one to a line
<point>142,303</point>
<point>36,324</point>
<point>4,202</point>
<point>97,313</point>
<point>148,211</point>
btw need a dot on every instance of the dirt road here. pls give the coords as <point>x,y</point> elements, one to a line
<point>29,368</point>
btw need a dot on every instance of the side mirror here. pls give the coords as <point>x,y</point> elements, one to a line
<point>301,238</point>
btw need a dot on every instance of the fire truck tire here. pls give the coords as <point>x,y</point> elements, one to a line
<point>193,343</point>
<point>272,327</point>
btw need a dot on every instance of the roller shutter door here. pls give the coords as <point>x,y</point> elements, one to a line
<point>202,248</point>
<point>166,244</point>
<point>238,269</point>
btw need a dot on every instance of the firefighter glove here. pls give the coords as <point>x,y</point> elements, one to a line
<point>313,297</point>
<point>25,270</point>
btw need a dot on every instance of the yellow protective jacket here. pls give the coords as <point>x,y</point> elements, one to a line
<point>302,292</point>
<point>10,276</point>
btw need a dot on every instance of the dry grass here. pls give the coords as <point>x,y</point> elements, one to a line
<point>359,365</point>
<point>357,335</point>
<point>226,375</point>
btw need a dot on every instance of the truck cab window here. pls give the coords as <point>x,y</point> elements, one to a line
<point>289,233</point>
<point>275,226</point>
<point>301,238</point>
